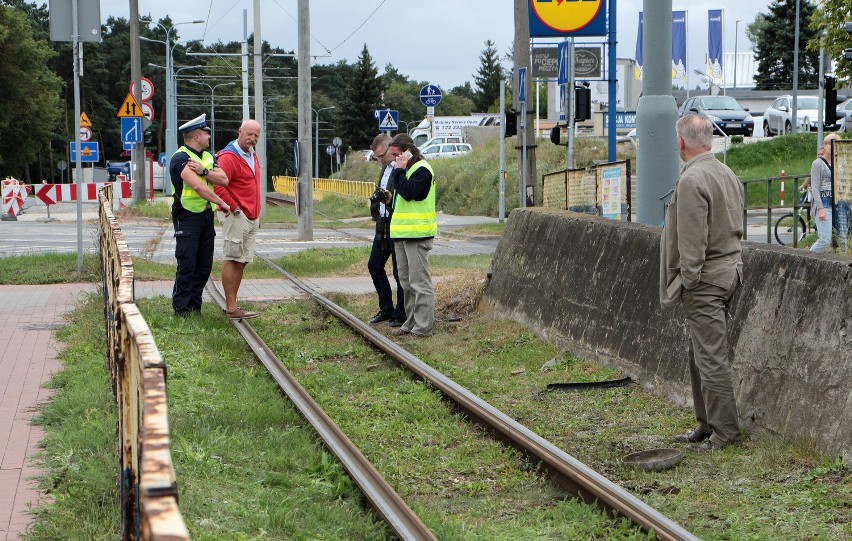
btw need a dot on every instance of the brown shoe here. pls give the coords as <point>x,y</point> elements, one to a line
<point>239,313</point>
<point>401,332</point>
<point>696,436</point>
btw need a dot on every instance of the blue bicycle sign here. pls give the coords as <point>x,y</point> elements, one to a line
<point>430,95</point>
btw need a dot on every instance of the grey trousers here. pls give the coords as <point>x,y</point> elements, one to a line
<point>413,265</point>
<point>706,308</point>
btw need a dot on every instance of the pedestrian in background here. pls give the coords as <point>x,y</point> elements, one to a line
<point>193,173</point>
<point>414,225</point>
<point>821,192</point>
<point>239,228</point>
<point>701,268</point>
<point>383,246</point>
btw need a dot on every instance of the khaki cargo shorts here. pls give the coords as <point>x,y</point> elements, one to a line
<point>239,233</point>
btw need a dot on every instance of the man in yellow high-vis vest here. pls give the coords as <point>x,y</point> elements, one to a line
<point>194,171</point>
<point>413,227</point>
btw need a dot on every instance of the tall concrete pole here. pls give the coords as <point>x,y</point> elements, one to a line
<point>138,165</point>
<point>657,161</point>
<point>245,56</point>
<point>305,188</point>
<point>258,106</point>
<point>526,138</point>
<point>794,116</point>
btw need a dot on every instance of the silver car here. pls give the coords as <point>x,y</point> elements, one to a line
<point>844,116</point>
<point>778,117</point>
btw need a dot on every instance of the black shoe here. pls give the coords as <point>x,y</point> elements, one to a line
<point>380,316</point>
<point>696,436</point>
<point>396,322</point>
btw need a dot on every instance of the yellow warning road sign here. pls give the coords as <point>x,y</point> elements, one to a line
<point>129,108</point>
<point>84,121</point>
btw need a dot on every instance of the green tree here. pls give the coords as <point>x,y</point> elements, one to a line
<point>362,96</point>
<point>773,37</point>
<point>29,103</point>
<point>829,19</point>
<point>488,78</point>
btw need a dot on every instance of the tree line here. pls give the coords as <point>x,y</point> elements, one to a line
<point>37,93</point>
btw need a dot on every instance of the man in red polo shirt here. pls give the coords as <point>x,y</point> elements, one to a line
<point>239,229</point>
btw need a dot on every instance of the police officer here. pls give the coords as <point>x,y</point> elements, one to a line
<point>194,171</point>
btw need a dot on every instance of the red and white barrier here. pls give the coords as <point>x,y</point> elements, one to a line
<point>51,194</point>
<point>14,192</point>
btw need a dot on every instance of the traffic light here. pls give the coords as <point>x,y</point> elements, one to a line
<point>847,53</point>
<point>511,117</point>
<point>830,100</point>
<point>555,134</point>
<point>582,103</point>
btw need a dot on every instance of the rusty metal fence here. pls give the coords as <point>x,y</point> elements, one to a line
<point>325,186</point>
<point>149,496</point>
<point>601,189</point>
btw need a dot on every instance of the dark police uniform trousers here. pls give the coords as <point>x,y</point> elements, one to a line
<point>194,243</point>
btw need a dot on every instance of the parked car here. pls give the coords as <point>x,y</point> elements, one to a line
<point>844,116</point>
<point>118,168</point>
<point>728,116</point>
<point>777,118</point>
<point>445,150</point>
<point>440,141</point>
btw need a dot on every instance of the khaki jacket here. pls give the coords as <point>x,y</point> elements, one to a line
<point>702,237</point>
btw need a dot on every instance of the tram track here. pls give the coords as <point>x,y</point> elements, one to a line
<point>579,479</point>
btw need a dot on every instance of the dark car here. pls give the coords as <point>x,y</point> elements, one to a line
<point>727,114</point>
<point>118,168</point>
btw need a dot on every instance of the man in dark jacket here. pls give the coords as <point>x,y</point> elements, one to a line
<point>382,243</point>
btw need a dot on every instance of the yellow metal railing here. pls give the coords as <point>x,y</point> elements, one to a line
<point>325,186</point>
<point>149,497</point>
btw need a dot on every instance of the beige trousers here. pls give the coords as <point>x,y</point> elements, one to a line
<point>413,265</point>
<point>706,308</point>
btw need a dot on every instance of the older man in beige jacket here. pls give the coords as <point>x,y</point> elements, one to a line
<point>701,268</point>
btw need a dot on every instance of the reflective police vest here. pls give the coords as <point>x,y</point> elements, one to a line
<point>415,219</point>
<point>189,199</point>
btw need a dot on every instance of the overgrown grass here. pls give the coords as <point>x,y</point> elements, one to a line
<point>328,212</point>
<point>50,268</point>
<point>325,261</point>
<point>159,209</point>
<point>482,229</point>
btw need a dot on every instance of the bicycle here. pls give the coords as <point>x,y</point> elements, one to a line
<point>802,212</point>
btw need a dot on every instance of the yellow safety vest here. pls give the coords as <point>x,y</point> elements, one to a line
<point>189,199</point>
<point>415,219</point>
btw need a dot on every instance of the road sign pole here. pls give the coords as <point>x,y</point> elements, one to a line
<point>78,166</point>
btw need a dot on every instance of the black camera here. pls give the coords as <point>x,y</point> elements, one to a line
<point>379,196</point>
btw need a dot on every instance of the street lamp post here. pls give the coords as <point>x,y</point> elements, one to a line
<point>171,91</point>
<point>316,142</point>
<point>212,109</point>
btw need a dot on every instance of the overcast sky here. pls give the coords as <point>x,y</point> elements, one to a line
<point>438,41</point>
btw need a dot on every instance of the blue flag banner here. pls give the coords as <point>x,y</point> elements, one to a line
<point>638,71</point>
<point>679,45</point>
<point>714,45</point>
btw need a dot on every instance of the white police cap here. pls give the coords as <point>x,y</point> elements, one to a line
<point>197,123</point>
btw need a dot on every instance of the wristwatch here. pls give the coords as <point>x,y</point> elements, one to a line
<point>204,172</point>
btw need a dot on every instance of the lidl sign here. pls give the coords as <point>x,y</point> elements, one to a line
<point>567,17</point>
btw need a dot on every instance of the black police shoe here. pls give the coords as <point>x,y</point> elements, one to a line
<point>380,316</point>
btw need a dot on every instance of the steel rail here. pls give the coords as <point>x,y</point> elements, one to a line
<point>381,496</point>
<point>579,478</point>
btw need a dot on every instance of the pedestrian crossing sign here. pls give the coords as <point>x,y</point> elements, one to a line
<point>388,120</point>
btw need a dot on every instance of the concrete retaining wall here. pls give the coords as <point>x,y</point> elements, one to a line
<point>590,286</point>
